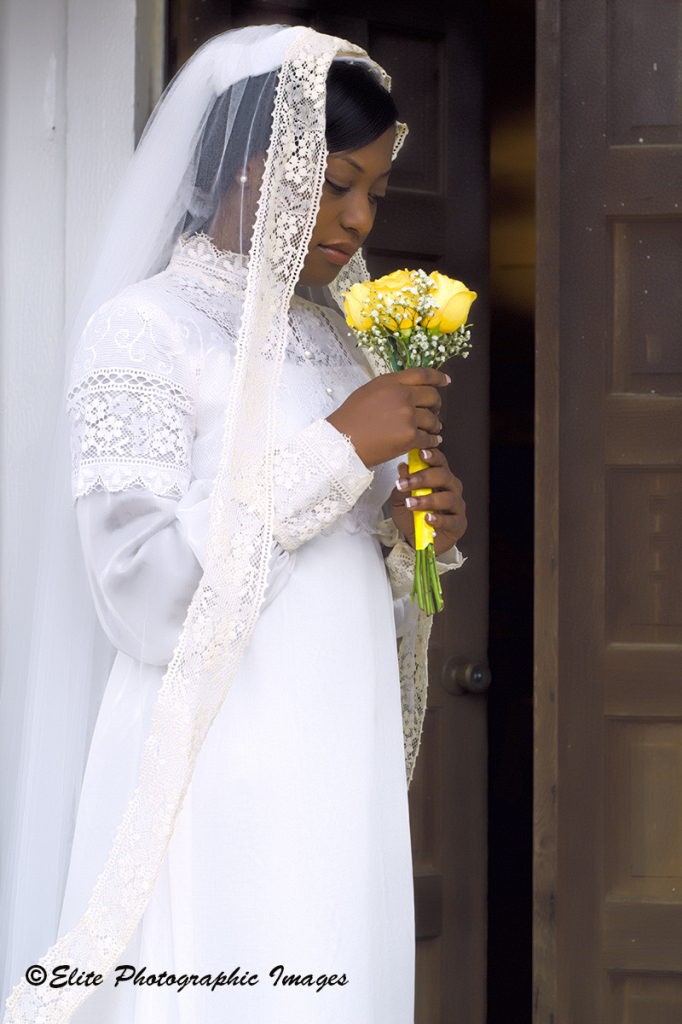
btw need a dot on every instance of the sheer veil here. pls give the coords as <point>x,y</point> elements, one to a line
<point>56,667</point>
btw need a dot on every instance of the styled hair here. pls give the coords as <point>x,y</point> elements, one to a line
<point>359,108</point>
<point>244,112</point>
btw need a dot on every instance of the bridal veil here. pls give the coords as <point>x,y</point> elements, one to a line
<point>238,85</point>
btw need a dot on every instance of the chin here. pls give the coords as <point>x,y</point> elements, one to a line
<point>317,281</point>
<point>318,274</point>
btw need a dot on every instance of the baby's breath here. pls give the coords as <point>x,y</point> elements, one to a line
<point>395,313</point>
<point>399,335</point>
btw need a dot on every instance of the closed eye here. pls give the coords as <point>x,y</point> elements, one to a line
<point>341,190</point>
<point>338,190</point>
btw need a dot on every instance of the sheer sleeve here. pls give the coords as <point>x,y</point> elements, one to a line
<point>144,555</point>
<point>142,570</point>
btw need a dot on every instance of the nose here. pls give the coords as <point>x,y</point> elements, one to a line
<point>357,215</point>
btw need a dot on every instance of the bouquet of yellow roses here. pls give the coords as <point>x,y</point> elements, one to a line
<point>410,318</point>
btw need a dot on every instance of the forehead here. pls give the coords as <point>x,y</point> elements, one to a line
<point>374,158</point>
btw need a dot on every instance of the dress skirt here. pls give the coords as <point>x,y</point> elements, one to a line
<point>291,861</point>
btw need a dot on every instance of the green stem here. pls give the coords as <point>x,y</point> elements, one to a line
<point>427,588</point>
<point>430,608</point>
<point>404,351</point>
<point>435,579</point>
<point>418,580</point>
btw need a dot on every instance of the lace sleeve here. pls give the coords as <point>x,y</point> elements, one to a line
<point>318,476</point>
<point>130,402</point>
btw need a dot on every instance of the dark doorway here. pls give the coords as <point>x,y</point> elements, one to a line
<point>511,93</point>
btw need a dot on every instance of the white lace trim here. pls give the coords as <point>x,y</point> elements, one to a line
<point>197,254</point>
<point>130,429</point>
<point>354,270</point>
<point>321,464</point>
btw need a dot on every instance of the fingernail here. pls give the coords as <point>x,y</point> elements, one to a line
<point>426,454</point>
<point>401,485</point>
<point>439,439</point>
<point>430,518</point>
<point>411,502</point>
<point>448,378</point>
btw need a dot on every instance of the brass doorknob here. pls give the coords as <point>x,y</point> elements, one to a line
<point>460,677</point>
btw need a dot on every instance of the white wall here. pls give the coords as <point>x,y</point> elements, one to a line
<point>67,129</point>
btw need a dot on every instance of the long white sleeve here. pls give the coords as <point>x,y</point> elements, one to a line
<point>145,552</point>
<point>142,571</point>
<point>144,555</point>
<point>147,409</point>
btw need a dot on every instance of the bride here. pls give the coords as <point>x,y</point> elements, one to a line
<point>241,848</point>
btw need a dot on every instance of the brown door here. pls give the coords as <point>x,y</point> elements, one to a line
<point>436,219</point>
<point>609,514</point>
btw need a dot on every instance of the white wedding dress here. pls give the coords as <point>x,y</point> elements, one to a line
<point>293,846</point>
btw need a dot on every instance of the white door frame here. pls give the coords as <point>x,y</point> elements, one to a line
<point>78,79</point>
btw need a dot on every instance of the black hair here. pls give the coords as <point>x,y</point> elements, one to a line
<point>359,108</point>
<point>247,107</point>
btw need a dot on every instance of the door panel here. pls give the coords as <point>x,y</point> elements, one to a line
<point>609,482</point>
<point>437,218</point>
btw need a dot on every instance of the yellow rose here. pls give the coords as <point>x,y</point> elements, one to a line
<point>403,313</point>
<point>454,301</point>
<point>356,306</point>
<point>392,282</point>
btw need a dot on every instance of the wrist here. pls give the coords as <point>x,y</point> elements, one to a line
<point>337,422</point>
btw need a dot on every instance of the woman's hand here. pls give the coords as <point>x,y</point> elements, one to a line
<point>446,508</point>
<point>392,414</point>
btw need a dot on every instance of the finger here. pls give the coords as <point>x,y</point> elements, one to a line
<point>425,419</point>
<point>434,458</point>
<point>437,501</point>
<point>438,478</point>
<point>424,375</point>
<point>448,521</point>
<point>426,397</point>
<point>451,527</point>
<point>422,439</point>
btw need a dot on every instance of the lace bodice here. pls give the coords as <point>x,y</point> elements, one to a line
<point>151,381</point>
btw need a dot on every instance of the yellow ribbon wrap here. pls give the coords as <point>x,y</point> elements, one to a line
<point>423,533</point>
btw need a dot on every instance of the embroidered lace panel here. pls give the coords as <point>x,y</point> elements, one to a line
<point>318,477</point>
<point>130,430</point>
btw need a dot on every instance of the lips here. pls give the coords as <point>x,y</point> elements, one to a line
<point>338,253</point>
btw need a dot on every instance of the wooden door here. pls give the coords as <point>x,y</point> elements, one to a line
<point>609,514</point>
<point>436,219</point>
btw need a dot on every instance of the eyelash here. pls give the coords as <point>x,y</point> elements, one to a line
<point>339,190</point>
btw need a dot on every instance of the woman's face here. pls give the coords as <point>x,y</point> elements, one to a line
<point>355,183</point>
